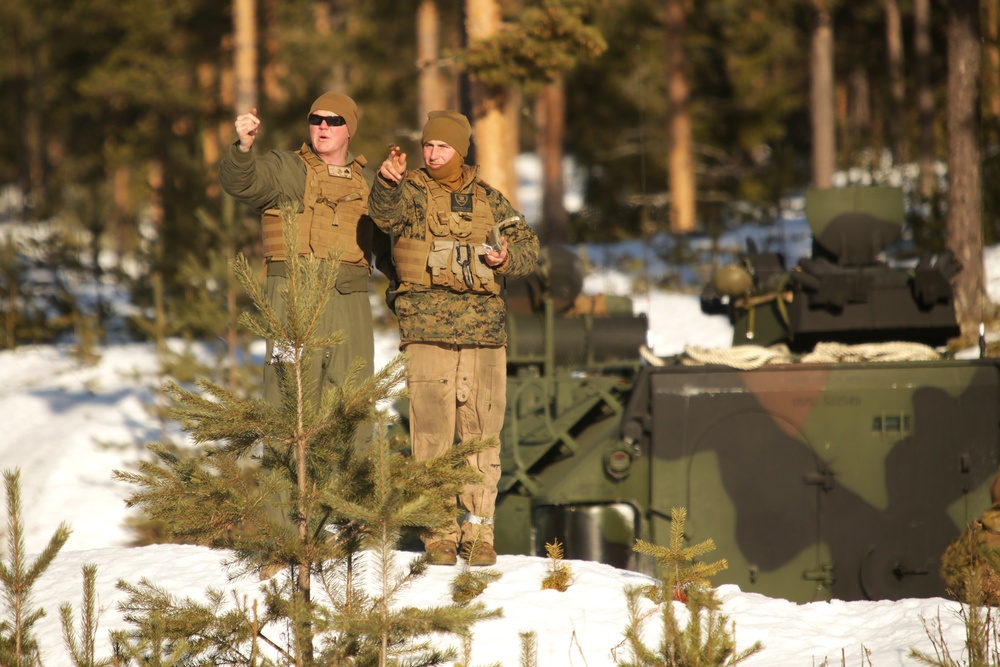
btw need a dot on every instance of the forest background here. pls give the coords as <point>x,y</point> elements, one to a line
<point>683,118</point>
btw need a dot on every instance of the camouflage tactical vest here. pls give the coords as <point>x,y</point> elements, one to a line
<point>451,254</point>
<point>334,203</point>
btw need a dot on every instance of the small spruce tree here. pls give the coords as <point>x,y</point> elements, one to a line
<point>313,506</point>
<point>705,641</point>
<point>82,649</point>
<point>560,573</point>
<point>18,645</point>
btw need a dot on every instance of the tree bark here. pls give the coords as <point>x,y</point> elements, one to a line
<point>550,124</point>
<point>680,161</point>
<point>824,156</point>
<point>991,56</point>
<point>925,96</point>
<point>245,55</point>
<point>897,83</point>
<point>965,235</point>
<point>432,88</point>
<point>491,128</point>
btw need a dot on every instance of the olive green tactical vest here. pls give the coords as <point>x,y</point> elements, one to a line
<point>451,254</point>
<point>334,203</point>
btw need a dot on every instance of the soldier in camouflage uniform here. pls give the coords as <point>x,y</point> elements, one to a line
<point>455,239</point>
<point>329,186</point>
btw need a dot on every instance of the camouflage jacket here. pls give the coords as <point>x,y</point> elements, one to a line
<point>430,314</point>
<point>277,177</point>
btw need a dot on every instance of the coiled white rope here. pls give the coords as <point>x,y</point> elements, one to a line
<point>897,351</point>
<point>747,357</point>
<point>744,357</point>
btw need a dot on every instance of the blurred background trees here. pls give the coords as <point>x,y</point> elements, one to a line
<point>681,116</point>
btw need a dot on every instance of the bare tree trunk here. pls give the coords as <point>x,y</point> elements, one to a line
<point>680,161</point>
<point>32,129</point>
<point>925,96</point>
<point>120,199</point>
<point>432,86</point>
<point>897,83</point>
<point>489,119</point>
<point>550,125</point>
<point>965,232</point>
<point>822,98</point>
<point>245,54</point>
<point>273,69</point>
<point>991,54</point>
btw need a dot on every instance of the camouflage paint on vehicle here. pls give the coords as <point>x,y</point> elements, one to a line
<point>816,481</point>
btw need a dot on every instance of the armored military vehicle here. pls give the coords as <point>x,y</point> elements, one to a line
<point>832,478</point>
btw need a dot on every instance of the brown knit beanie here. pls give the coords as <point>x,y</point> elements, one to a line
<point>450,127</point>
<point>340,104</point>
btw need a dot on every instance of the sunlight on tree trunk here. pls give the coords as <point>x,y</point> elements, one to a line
<point>681,163</point>
<point>824,155</point>
<point>245,54</point>
<point>550,125</point>
<point>432,88</point>
<point>489,120</point>
<point>965,232</point>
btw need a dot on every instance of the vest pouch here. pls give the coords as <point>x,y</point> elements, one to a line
<point>442,264</point>
<point>483,271</point>
<point>460,225</point>
<point>439,224</point>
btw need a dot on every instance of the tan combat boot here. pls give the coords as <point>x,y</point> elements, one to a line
<point>481,554</point>
<point>441,553</point>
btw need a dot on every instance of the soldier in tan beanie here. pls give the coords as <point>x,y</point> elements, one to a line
<point>456,240</point>
<point>330,186</point>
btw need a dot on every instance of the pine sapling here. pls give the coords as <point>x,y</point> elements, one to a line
<point>560,574</point>
<point>471,582</point>
<point>529,648</point>
<point>705,641</point>
<point>18,646</point>
<point>82,649</point>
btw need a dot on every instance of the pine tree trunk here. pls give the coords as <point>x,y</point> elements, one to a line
<point>490,127</point>
<point>120,181</point>
<point>550,120</point>
<point>32,130</point>
<point>680,161</point>
<point>991,56</point>
<point>897,83</point>
<point>272,69</point>
<point>925,96</point>
<point>432,87</point>
<point>965,236</point>
<point>824,156</point>
<point>245,54</point>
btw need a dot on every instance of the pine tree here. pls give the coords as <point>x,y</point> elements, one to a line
<point>81,649</point>
<point>705,641</point>
<point>312,509</point>
<point>18,646</point>
<point>560,574</point>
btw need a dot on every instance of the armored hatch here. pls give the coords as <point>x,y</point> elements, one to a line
<point>847,292</point>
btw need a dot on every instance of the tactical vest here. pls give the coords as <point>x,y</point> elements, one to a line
<point>451,254</point>
<point>334,203</point>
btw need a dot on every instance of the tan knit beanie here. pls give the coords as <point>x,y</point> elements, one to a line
<point>340,104</point>
<point>450,127</point>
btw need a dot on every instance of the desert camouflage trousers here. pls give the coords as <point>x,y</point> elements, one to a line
<point>459,392</point>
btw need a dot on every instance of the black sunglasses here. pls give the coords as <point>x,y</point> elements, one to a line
<point>331,121</point>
